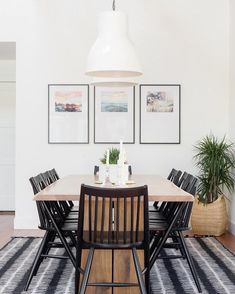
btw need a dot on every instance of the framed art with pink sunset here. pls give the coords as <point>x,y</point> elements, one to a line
<point>68,114</point>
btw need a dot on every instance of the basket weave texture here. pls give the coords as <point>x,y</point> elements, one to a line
<point>210,219</point>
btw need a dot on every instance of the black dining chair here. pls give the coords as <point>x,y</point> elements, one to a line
<point>55,226</point>
<point>180,220</point>
<point>122,224</point>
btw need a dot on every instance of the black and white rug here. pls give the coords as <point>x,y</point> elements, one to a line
<point>214,263</point>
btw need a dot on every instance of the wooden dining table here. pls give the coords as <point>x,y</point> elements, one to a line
<point>68,189</point>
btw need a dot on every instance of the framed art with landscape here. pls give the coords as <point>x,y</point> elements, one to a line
<point>68,114</point>
<point>114,115</point>
<point>160,114</point>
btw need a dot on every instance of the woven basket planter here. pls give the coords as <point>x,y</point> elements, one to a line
<point>210,219</point>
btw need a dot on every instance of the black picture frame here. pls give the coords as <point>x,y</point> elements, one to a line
<point>132,141</point>
<point>177,125</point>
<point>86,115</point>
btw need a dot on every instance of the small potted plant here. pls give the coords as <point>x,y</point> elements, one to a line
<point>113,156</point>
<point>112,159</point>
<point>215,161</point>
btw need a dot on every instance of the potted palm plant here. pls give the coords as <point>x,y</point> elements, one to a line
<point>215,161</point>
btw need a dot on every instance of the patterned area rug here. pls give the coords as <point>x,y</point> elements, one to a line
<point>214,263</point>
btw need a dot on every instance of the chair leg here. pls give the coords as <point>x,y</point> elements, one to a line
<point>190,262</point>
<point>163,239</point>
<point>37,260</point>
<point>61,236</point>
<point>138,272</point>
<point>50,238</point>
<point>71,235</point>
<point>154,243</point>
<point>77,272</point>
<point>87,271</point>
<point>147,271</point>
<point>147,280</point>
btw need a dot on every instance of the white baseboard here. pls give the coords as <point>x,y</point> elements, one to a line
<point>231,227</point>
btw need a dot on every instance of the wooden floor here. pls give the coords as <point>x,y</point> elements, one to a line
<point>7,231</point>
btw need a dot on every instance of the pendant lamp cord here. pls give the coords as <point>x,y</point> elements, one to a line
<point>114,5</point>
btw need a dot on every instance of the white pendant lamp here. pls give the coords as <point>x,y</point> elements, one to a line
<point>113,54</point>
<point>114,82</point>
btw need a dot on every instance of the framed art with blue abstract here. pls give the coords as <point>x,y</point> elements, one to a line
<point>114,113</point>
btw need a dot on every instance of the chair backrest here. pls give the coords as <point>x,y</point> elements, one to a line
<point>113,217</point>
<point>48,179</point>
<point>53,174</point>
<point>171,174</point>
<point>184,217</point>
<point>96,169</point>
<point>187,182</point>
<point>39,183</point>
<point>182,179</point>
<point>174,176</point>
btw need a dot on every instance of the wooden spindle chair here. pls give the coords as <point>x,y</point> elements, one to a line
<point>51,219</point>
<point>159,226</point>
<point>113,219</point>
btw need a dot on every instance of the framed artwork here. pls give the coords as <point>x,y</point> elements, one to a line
<point>68,114</point>
<point>160,114</point>
<point>114,115</point>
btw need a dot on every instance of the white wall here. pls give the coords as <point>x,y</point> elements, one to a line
<point>232,98</point>
<point>7,135</point>
<point>181,41</point>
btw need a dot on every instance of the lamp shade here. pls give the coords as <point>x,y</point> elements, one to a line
<point>114,82</point>
<point>113,54</point>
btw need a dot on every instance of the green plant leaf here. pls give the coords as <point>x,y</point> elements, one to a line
<point>113,156</point>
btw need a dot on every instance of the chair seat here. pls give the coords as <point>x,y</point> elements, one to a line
<point>69,226</point>
<point>158,226</point>
<point>113,239</point>
<point>156,215</point>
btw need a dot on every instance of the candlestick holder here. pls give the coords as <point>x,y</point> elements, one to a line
<point>107,179</point>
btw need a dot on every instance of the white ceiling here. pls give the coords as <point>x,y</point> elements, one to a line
<point>7,50</point>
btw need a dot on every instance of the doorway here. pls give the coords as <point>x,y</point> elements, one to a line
<point>7,126</point>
